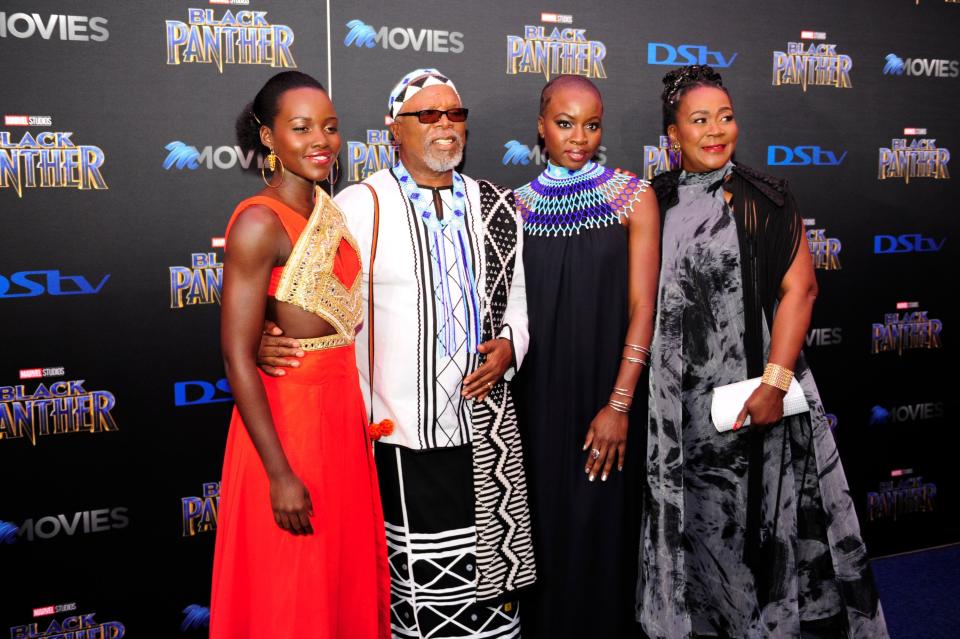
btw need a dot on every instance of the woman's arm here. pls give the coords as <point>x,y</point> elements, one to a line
<point>798,290</point>
<point>608,431</point>
<point>251,254</point>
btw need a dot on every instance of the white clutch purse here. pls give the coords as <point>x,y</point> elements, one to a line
<point>728,402</point>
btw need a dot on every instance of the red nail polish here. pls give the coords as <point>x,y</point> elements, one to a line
<point>736,425</point>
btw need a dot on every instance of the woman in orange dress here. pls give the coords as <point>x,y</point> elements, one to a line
<point>300,549</point>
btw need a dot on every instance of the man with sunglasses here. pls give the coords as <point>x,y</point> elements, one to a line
<point>449,324</point>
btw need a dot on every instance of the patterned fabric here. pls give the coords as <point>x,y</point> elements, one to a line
<point>411,84</point>
<point>693,577</point>
<point>308,280</point>
<point>454,288</point>
<point>452,330</point>
<point>563,202</point>
<point>431,547</point>
<point>505,560</point>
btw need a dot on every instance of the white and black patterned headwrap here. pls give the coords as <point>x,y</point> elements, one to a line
<point>411,84</point>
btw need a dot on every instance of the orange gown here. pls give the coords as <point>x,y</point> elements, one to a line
<point>333,584</point>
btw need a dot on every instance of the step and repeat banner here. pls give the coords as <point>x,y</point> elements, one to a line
<point>119,169</point>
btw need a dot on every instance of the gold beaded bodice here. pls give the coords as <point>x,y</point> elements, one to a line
<point>322,274</point>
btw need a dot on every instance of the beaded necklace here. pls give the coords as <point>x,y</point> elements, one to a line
<point>564,201</point>
<point>423,204</point>
<point>422,200</point>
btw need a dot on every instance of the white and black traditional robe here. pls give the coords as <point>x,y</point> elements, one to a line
<point>451,474</point>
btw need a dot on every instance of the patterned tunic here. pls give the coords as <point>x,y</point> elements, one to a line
<point>451,475</point>
<point>693,577</point>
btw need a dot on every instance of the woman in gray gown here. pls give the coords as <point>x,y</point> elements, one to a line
<point>749,533</point>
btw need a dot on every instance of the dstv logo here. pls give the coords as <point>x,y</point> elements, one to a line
<point>802,156</point>
<point>683,54</point>
<point>360,34</point>
<point>908,243</point>
<point>193,392</point>
<point>519,153</point>
<point>36,283</point>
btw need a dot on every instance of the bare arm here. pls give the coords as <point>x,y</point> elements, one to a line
<point>251,254</point>
<point>608,431</point>
<point>798,290</point>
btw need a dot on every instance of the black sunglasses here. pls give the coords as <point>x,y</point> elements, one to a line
<point>432,116</point>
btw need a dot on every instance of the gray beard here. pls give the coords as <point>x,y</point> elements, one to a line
<point>441,162</point>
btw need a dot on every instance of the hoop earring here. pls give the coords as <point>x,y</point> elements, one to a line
<point>271,161</point>
<point>330,178</point>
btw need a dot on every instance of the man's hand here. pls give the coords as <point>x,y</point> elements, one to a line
<point>499,354</point>
<point>275,350</point>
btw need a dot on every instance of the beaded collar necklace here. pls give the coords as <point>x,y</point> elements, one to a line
<point>563,201</point>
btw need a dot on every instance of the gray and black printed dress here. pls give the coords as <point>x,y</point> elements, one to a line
<point>813,577</point>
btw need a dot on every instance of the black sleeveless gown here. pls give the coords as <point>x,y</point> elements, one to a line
<point>585,533</point>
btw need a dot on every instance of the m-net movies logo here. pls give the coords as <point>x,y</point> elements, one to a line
<point>914,158</point>
<point>362,35</point>
<point>555,51</point>
<point>923,411</point>
<point>518,153</point>
<point>684,54</point>
<point>812,64</point>
<point>48,159</point>
<point>241,37</point>
<point>195,617</point>
<point>826,336</point>
<point>182,156</point>
<point>63,27</point>
<point>778,155</point>
<point>83,522</point>
<point>931,68</point>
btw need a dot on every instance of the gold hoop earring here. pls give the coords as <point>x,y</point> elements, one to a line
<point>271,162</point>
<point>330,178</point>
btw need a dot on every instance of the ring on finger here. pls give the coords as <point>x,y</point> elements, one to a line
<point>595,453</point>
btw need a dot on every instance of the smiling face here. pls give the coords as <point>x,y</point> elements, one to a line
<point>571,125</point>
<point>705,129</point>
<point>430,151</point>
<point>305,133</point>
